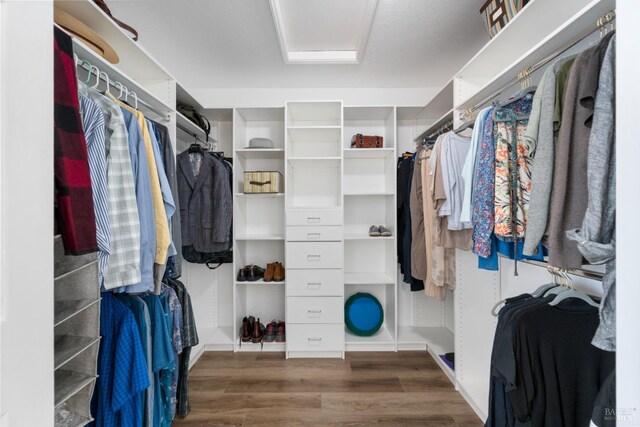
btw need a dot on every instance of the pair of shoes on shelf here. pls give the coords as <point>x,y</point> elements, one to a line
<point>380,230</point>
<point>275,332</point>
<point>250,273</point>
<point>274,272</point>
<point>252,330</point>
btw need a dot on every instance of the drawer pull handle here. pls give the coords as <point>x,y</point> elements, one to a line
<point>318,312</point>
<point>314,285</point>
<point>314,339</point>
<point>313,236</point>
<point>313,258</point>
<point>313,219</point>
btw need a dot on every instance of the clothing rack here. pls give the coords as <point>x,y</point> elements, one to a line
<point>441,129</point>
<point>587,274</point>
<point>103,76</point>
<point>601,23</point>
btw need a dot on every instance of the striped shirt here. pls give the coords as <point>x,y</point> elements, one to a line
<point>123,267</point>
<point>93,124</point>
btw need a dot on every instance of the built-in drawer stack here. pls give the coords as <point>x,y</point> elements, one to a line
<point>77,334</point>
<point>315,283</point>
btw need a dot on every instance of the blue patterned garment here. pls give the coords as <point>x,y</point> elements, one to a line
<point>175,309</point>
<point>483,198</point>
<point>122,368</point>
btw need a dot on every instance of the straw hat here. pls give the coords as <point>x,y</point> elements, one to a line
<point>80,30</point>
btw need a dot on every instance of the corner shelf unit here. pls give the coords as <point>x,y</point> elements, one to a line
<point>76,331</point>
<point>259,225</point>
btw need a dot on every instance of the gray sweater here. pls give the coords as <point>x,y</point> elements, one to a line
<point>596,237</point>
<point>540,133</point>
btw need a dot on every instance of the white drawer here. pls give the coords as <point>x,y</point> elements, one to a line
<point>315,310</point>
<point>302,337</point>
<point>303,283</point>
<point>311,217</point>
<point>315,233</point>
<point>314,255</point>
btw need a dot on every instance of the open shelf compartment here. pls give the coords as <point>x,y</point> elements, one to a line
<point>378,121</point>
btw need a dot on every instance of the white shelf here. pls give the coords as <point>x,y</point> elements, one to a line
<point>261,282</point>
<point>134,58</point>
<point>216,336</point>
<point>366,237</point>
<point>373,193</point>
<point>262,347</point>
<point>191,127</point>
<point>261,237</point>
<point>440,340</point>
<point>382,337</point>
<point>561,30</point>
<point>450,373</point>
<point>368,153</point>
<point>259,195</point>
<point>312,127</point>
<point>332,158</point>
<point>368,279</point>
<point>261,153</point>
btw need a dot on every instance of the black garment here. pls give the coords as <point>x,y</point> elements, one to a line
<point>189,339</point>
<point>407,167</point>
<point>604,410</point>
<point>559,372</point>
<point>401,189</point>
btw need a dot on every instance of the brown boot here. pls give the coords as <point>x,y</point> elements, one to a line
<point>258,332</point>
<point>278,274</point>
<point>246,332</point>
<point>268,274</point>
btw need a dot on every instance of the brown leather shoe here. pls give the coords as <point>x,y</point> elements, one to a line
<point>268,274</point>
<point>278,274</point>
<point>258,332</point>
<point>246,331</point>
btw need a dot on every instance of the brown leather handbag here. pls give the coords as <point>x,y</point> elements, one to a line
<point>102,5</point>
<point>366,141</point>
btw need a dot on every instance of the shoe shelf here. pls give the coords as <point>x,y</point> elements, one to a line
<point>260,282</point>
<point>366,237</point>
<point>382,337</point>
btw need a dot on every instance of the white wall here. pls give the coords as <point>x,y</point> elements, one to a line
<point>259,97</point>
<point>26,213</point>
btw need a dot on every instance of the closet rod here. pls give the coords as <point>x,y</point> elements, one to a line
<point>587,274</point>
<point>571,43</point>
<point>439,131</point>
<point>114,84</point>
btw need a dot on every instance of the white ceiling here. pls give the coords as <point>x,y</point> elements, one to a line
<point>209,44</point>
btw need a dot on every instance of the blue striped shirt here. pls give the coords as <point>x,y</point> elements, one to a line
<point>94,125</point>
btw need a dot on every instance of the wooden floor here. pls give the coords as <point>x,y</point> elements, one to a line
<point>365,389</point>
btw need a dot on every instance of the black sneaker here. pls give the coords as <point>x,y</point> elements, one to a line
<point>243,274</point>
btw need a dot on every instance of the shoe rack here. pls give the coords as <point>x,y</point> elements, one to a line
<point>259,225</point>
<point>314,233</point>
<point>369,182</point>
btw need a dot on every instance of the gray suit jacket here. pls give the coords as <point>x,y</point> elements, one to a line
<point>206,206</point>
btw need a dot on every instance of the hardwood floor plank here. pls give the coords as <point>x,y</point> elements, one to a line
<point>426,384</point>
<point>252,403</point>
<point>424,404</point>
<point>314,384</point>
<point>332,420</point>
<point>208,384</point>
<point>393,366</point>
<point>198,419</point>
<point>468,420</point>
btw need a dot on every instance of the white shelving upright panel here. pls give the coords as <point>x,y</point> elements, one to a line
<point>314,229</point>
<point>369,183</point>
<point>259,226</point>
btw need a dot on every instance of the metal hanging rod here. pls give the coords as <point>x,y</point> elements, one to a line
<point>441,129</point>
<point>190,132</point>
<point>103,76</point>
<point>587,274</point>
<point>600,25</point>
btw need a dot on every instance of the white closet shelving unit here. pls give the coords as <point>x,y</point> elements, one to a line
<point>258,219</point>
<point>369,185</point>
<point>314,229</point>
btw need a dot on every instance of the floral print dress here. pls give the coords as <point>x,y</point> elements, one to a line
<point>513,158</point>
